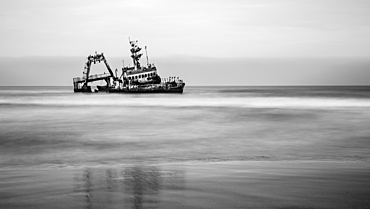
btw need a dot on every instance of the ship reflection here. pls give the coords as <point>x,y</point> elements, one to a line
<point>141,182</point>
<point>131,187</point>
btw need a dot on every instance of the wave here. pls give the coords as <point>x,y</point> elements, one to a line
<point>249,102</point>
<point>33,92</point>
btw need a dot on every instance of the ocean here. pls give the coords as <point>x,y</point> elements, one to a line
<point>210,147</point>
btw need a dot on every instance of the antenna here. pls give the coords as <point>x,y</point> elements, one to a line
<point>147,60</point>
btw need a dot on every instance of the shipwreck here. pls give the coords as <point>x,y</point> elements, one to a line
<point>133,79</point>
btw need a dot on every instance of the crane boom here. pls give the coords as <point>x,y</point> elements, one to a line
<point>93,59</point>
<point>86,77</point>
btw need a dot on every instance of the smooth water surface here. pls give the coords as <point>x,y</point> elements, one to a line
<point>211,147</point>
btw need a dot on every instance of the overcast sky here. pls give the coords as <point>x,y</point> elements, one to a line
<point>186,28</point>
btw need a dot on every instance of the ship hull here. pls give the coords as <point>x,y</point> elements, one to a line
<point>83,89</point>
<point>177,89</point>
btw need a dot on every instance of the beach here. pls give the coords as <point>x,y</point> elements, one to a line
<point>236,184</point>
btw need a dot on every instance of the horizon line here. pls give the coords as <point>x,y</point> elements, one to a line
<point>272,85</point>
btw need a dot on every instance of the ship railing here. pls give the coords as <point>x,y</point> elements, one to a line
<point>169,80</point>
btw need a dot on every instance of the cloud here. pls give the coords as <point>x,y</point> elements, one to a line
<point>214,28</point>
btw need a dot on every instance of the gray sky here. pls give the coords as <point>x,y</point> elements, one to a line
<point>183,30</point>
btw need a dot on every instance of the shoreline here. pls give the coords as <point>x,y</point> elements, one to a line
<point>232,184</point>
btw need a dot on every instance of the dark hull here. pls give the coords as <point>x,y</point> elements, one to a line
<point>84,89</point>
<point>178,90</point>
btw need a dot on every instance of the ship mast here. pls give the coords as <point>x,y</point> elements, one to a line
<point>147,60</point>
<point>135,55</point>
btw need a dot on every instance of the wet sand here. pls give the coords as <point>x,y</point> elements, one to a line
<point>198,184</point>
